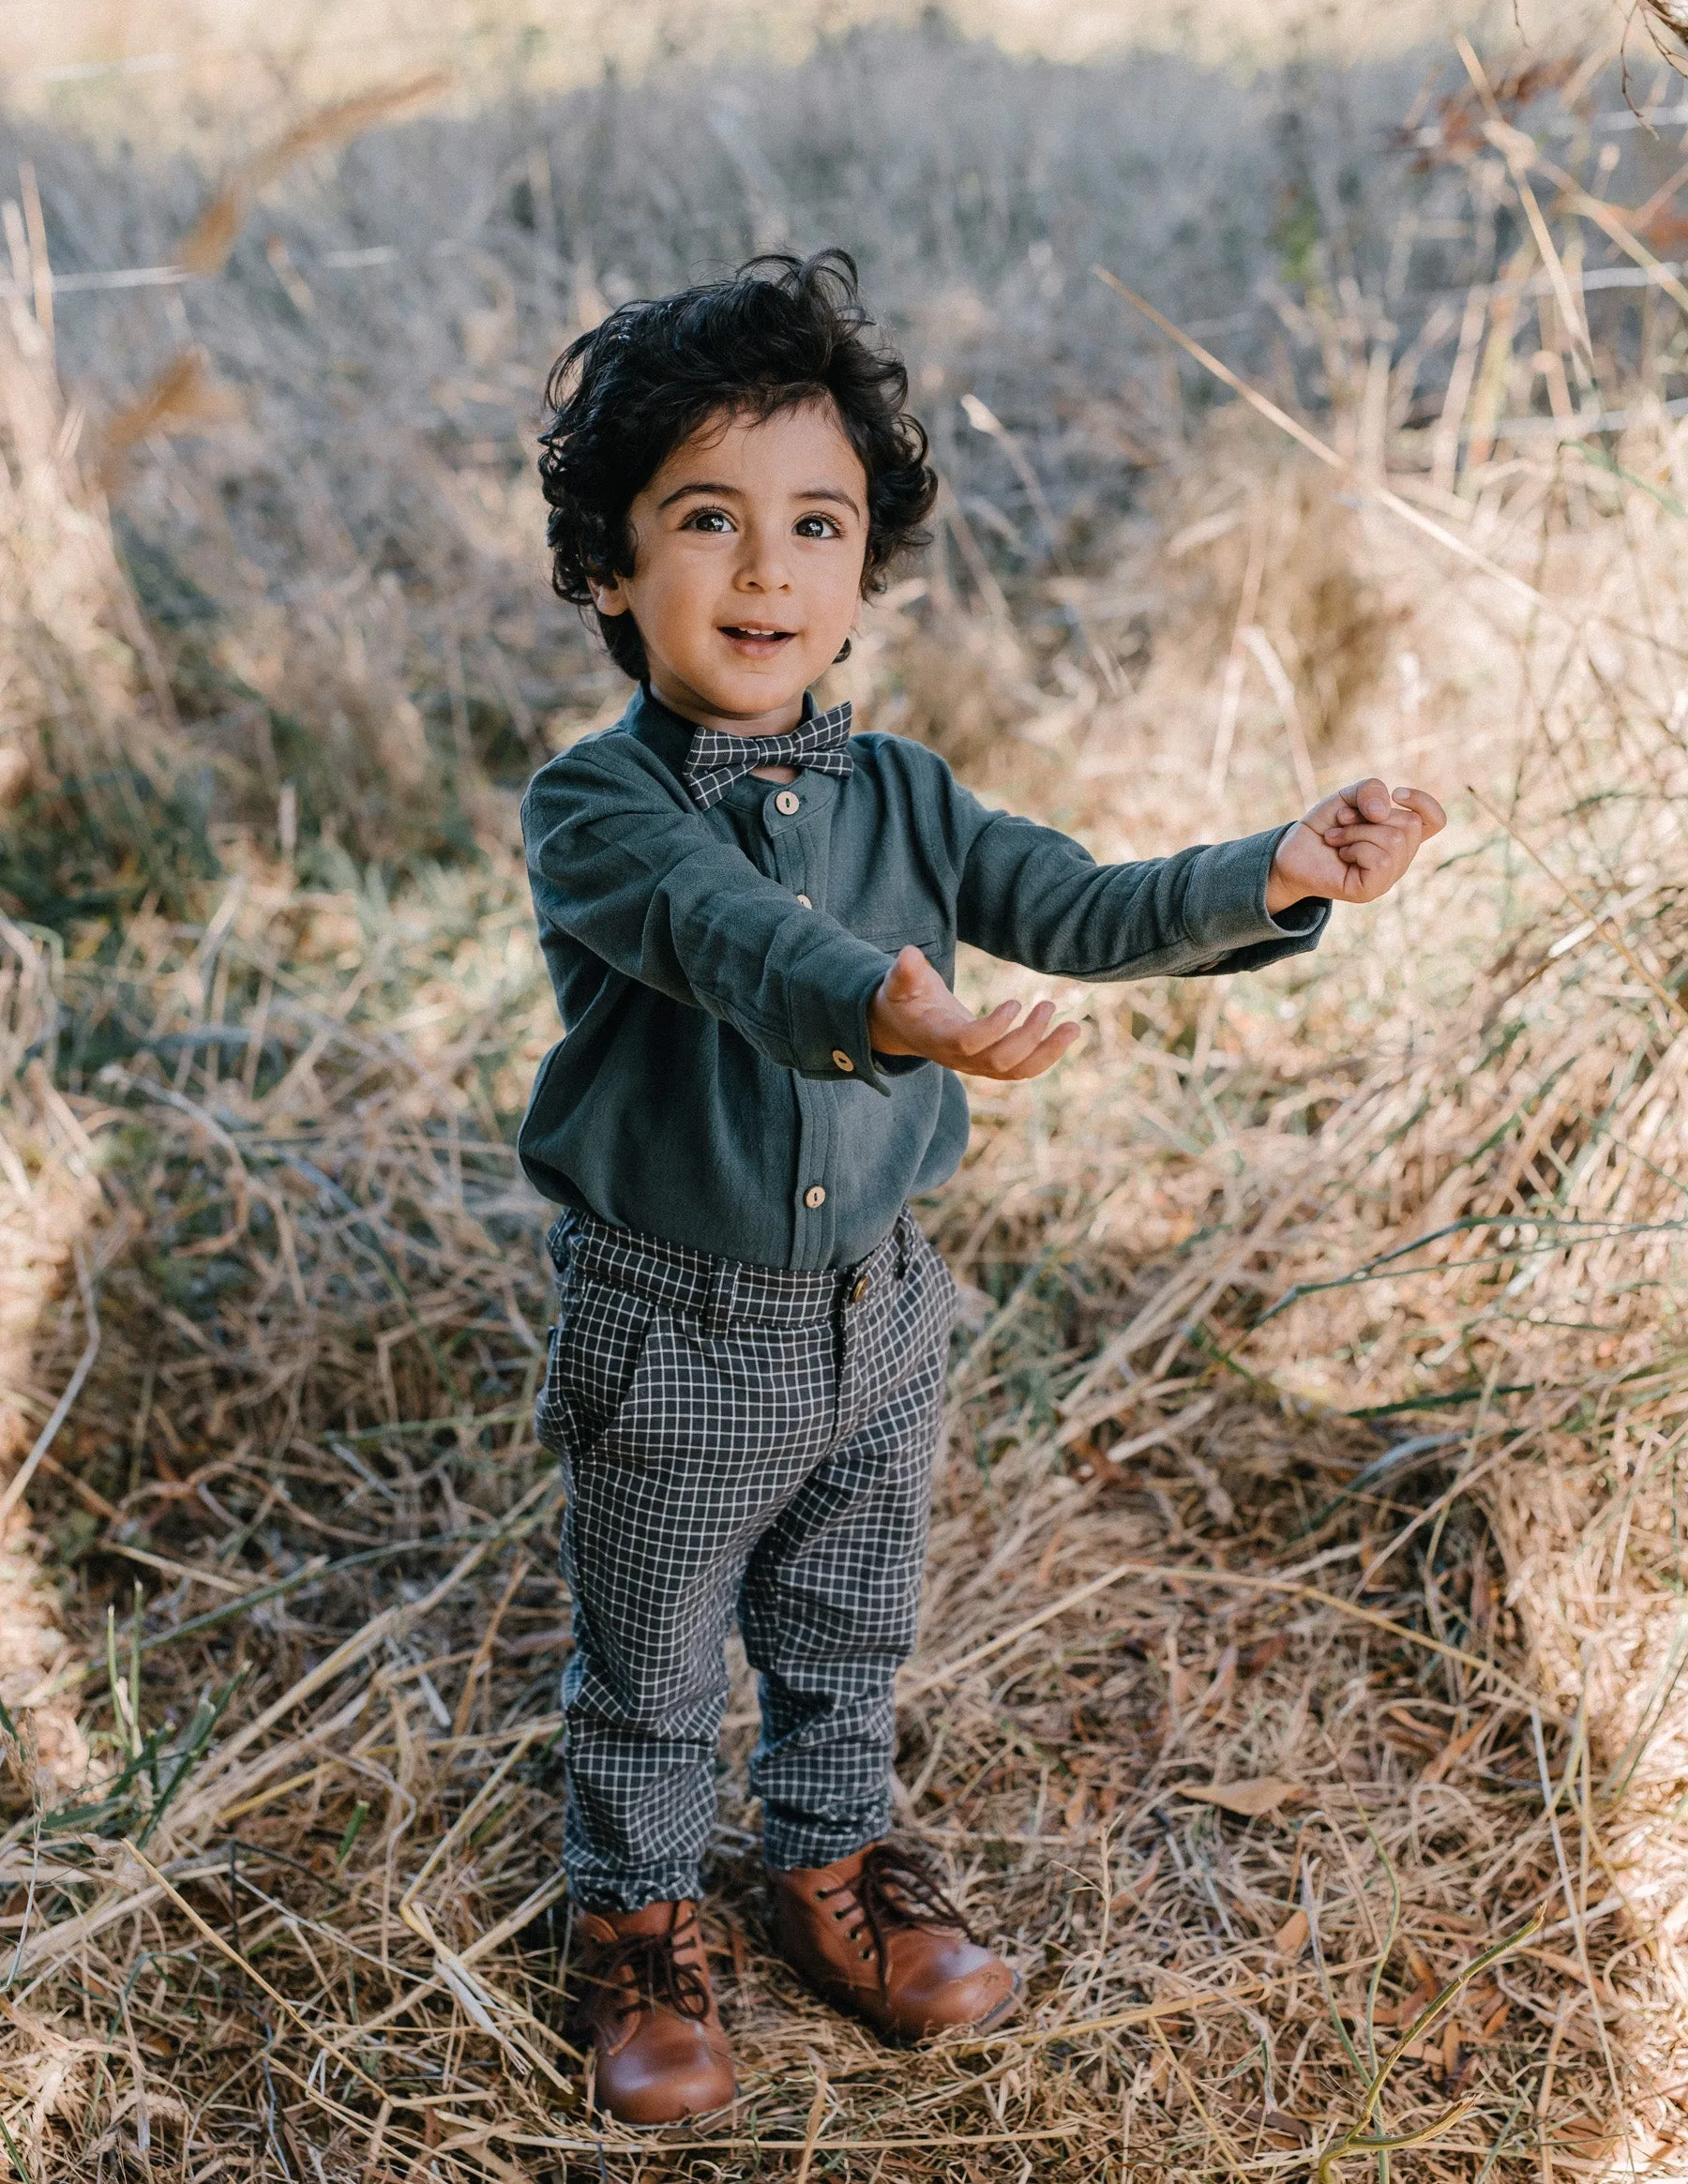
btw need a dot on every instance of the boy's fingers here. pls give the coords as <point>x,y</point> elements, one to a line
<point>1425,805</point>
<point>1370,798</point>
<point>1396,833</point>
<point>979,1033</point>
<point>1030,1049</point>
<point>1044,1055</point>
<point>1048,1052</point>
<point>1005,1055</point>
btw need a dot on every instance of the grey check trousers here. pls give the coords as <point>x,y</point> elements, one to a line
<point>736,1439</point>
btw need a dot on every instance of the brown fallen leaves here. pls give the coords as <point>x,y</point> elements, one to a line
<point>1249,1800</point>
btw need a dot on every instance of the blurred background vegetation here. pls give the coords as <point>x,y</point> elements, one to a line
<point>306,369</point>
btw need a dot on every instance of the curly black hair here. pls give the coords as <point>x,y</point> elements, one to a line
<point>782,331</point>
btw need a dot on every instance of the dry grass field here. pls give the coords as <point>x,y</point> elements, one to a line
<point>1299,1698</point>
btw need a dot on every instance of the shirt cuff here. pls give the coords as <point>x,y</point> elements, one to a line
<point>902,1064</point>
<point>829,1014</point>
<point>1225,903</point>
<point>1308,915</point>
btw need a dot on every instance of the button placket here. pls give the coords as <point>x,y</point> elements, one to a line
<point>792,849</point>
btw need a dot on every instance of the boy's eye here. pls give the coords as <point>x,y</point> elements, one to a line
<point>708,520</point>
<point>817,527</point>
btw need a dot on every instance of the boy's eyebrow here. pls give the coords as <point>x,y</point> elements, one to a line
<point>831,494</point>
<point>698,486</point>
<point>714,490</point>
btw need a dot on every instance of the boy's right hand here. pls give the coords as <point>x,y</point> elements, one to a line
<point>914,1012</point>
<point>1354,845</point>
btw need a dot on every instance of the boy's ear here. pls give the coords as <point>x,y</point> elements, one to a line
<point>609,599</point>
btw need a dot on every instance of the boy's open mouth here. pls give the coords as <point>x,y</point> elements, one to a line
<point>759,642</point>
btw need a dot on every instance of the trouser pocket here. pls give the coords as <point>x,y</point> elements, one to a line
<point>592,1359</point>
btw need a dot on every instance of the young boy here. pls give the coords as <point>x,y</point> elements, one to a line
<point>750,919</point>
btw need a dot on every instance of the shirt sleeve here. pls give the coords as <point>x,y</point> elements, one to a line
<point>654,891</point>
<point>1036,897</point>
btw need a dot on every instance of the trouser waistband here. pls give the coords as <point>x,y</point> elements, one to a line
<point>725,1292</point>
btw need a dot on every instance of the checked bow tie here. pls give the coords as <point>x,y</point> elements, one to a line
<point>716,762</point>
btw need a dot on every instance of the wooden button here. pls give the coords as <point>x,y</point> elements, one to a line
<point>788,801</point>
<point>805,902</point>
<point>815,1198</point>
<point>841,1060</point>
<point>862,1285</point>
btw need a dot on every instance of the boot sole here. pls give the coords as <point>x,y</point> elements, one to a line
<point>1004,2009</point>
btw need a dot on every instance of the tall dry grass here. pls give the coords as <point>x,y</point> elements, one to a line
<point>88,719</point>
<point>327,502</point>
<point>1304,1642</point>
<point>201,68</point>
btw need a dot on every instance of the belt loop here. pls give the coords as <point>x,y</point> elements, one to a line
<point>722,1296</point>
<point>905,1242</point>
<point>561,1241</point>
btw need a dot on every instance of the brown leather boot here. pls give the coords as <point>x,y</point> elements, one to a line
<point>662,2053</point>
<point>877,1936</point>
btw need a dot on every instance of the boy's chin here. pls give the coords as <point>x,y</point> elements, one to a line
<point>742,690</point>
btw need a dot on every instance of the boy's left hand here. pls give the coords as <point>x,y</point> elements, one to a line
<point>1354,845</point>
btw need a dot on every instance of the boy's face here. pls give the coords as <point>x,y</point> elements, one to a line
<point>748,547</point>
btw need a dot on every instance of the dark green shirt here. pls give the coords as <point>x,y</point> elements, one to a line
<point>713,970</point>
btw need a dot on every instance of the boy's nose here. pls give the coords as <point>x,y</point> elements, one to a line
<point>762,565</point>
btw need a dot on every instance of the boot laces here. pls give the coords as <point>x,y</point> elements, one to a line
<point>895,1887</point>
<point>659,1980</point>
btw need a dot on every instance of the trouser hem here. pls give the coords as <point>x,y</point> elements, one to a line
<point>790,1850</point>
<point>607,1898</point>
